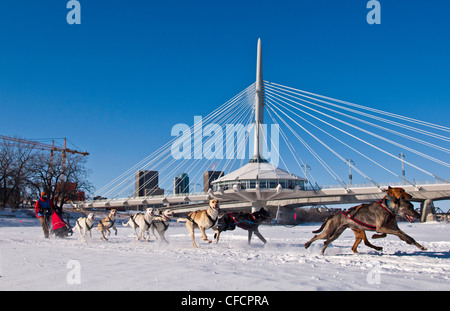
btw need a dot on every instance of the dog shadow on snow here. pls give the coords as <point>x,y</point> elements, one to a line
<point>338,250</point>
<point>430,254</point>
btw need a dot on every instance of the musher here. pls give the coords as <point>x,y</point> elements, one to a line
<point>43,208</point>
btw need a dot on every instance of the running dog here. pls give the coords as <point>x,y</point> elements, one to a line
<point>143,222</point>
<point>360,235</point>
<point>84,225</point>
<point>132,222</point>
<point>246,221</point>
<point>377,216</point>
<point>161,224</point>
<point>107,223</point>
<point>203,219</point>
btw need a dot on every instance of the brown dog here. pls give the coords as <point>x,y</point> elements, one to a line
<point>107,223</point>
<point>360,235</point>
<point>378,216</point>
<point>203,219</point>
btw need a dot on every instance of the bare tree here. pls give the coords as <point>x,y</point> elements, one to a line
<point>15,161</point>
<point>61,177</point>
<point>6,164</point>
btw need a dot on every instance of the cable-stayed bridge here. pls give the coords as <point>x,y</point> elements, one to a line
<point>237,157</point>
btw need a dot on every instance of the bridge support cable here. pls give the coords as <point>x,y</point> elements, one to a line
<point>236,113</point>
<point>364,141</point>
<point>229,164</point>
<point>390,141</point>
<point>288,101</point>
<point>231,161</point>
<point>326,146</point>
<point>358,152</point>
<point>306,145</point>
<point>236,116</point>
<point>347,145</point>
<point>359,119</point>
<point>293,152</point>
<point>117,186</point>
<point>156,161</point>
<point>112,186</point>
<point>381,112</point>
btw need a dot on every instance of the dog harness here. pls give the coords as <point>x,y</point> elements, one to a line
<point>213,221</point>
<point>359,222</point>
<point>85,222</point>
<point>110,222</point>
<point>239,223</point>
<point>145,220</point>
<point>351,216</point>
<point>387,209</point>
<point>134,216</point>
<point>147,224</point>
<point>162,222</point>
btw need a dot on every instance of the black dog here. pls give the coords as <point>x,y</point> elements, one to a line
<point>246,221</point>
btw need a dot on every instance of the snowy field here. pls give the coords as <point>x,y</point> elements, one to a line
<point>30,262</point>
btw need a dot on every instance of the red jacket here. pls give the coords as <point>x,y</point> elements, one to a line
<point>45,205</point>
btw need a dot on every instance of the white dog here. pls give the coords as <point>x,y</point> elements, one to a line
<point>84,225</point>
<point>143,222</point>
<point>132,223</point>
<point>161,224</point>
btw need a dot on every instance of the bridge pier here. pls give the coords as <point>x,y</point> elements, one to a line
<point>427,211</point>
<point>285,215</point>
<point>256,206</point>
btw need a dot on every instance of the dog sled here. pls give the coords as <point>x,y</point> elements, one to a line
<point>59,227</point>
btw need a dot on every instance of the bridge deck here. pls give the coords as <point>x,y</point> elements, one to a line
<point>289,197</point>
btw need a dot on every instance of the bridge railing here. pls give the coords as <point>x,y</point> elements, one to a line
<point>385,184</point>
<point>308,188</point>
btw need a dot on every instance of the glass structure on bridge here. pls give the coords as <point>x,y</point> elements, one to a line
<point>260,175</point>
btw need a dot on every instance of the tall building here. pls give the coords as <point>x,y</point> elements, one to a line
<point>209,177</point>
<point>181,184</point>
<point>147,183</point>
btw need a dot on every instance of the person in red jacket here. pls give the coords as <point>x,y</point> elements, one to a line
<point>43,208</point>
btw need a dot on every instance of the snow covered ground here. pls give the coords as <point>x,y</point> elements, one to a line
<point>30,262</point>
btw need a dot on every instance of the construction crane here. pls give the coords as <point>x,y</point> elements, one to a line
<point>42,146</point>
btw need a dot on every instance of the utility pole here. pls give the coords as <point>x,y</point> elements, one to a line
<point>402,156</point>
<point>306,166</point>
<point>350,176</point>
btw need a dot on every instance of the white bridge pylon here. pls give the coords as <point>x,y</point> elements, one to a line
<point>311,136</point>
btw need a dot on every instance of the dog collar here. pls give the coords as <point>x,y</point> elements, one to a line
<point>385,205</point>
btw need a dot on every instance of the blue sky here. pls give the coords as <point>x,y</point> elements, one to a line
<point>116,84</point>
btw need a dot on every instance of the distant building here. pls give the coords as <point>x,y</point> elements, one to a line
<point>181,184</point>
<point>71,191</point>
<point>147,183</point>
<point>209,177</point>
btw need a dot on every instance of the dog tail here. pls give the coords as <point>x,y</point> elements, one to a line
<point>99,226</point>
<point>77,227</point>
<point>182,220</point>
<point>323,225</point>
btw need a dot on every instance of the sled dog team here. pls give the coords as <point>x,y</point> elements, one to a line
<point>377,216</point>
<point>142,221</point>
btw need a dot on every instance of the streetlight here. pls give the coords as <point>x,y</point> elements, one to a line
<point>350,177</point>
<point>402,156</point>
<point>306,166</point>
<point>195,186</point>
